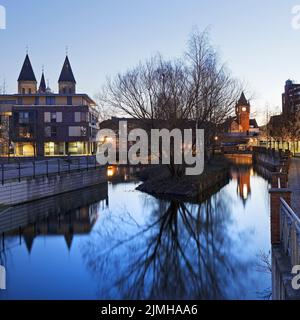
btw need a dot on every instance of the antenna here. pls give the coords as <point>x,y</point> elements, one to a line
<point>4,86</point>
<point>67,50</point>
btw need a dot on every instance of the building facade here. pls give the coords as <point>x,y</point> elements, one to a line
<point>241,123</point>
<point>36,122</point>
<point>291,98</point>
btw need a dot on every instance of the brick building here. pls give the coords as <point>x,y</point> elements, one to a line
<point>38,122</point>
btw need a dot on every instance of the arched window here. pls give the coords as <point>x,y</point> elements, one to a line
<point>29,91</point>
<point>23,90</point>
<point>64,90</point>
<point>70,90</point>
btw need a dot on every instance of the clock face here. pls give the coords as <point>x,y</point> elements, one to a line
<point>244,109</point>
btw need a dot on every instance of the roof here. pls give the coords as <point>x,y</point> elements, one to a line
<point>27,73</point>
<point>48,94</point>
<point>243,101</point>
<point>253,123</point>
<point>66,74</point>
<point>42,87</point>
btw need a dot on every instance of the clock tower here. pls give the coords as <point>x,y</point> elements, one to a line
<point>243,114</point>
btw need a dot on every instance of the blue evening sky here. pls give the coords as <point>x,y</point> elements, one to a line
<point>255,38</point>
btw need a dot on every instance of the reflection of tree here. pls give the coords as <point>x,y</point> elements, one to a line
<point>264,265</point>
<point>184,252</point>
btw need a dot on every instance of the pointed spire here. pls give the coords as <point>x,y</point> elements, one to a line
<point>42,88</point>
<point>243,101</point>
<point>66,72</point>
<point>69,239</point>
<point>27,73</point>
<point>28,239</point>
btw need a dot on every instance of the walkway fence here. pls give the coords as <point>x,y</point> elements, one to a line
<point>293,146</point>
<point>285,231</point>
<point>19,170</point>
<point>290,233</point>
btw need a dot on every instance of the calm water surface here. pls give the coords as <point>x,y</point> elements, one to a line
<point>122,244</point>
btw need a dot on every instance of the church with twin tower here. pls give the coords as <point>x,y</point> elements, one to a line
<point>41,123</point>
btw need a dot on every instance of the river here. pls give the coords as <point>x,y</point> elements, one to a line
<point>112,242</point>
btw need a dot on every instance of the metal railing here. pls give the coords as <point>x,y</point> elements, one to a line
<point>35,168</point>
<point>290,232</point>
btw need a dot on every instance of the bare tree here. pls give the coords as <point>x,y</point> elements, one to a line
<point>195,88</point>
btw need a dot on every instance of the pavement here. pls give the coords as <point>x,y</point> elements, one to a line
<point>294,184</point>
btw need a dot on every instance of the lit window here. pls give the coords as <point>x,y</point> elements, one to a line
<point>23,117</point>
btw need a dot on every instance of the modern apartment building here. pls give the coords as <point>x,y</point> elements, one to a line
<point>36,122</point>
<point>291,98</point>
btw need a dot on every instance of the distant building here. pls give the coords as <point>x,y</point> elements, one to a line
<point>290,110</point>
<point>37,122</point>
<point>241,122</point>
<point>291,98</point>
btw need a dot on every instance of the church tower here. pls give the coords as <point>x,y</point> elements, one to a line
<point>67,82</point>
<point>243,114</point>
<point>42,87</point>
<point>27,83</point>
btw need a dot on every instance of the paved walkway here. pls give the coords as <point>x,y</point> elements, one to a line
<point>294,184</point>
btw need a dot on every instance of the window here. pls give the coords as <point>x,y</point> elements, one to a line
<point>47,116</point>
<point>83,131</point>
<point>26,132</point>
<point>78,148</point>
<point>24,117</point>
<point>77,131</point>
<point>69,101</point>
<point>80,117</point>
<point>93,119</point>
<point>51,132</point>
<point>23,90</point>
<point>48,132</point>
<point>54,149</point>
<point>94,133</point>
<point>37,101</point>
<point>53,117</point>
<point>29,91</point>
<point>58,116</point>
<point>50,101</point>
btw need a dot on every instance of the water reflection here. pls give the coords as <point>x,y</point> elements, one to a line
<point>183,252</point>
<point>123,174</point>
<point>65,215</point>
